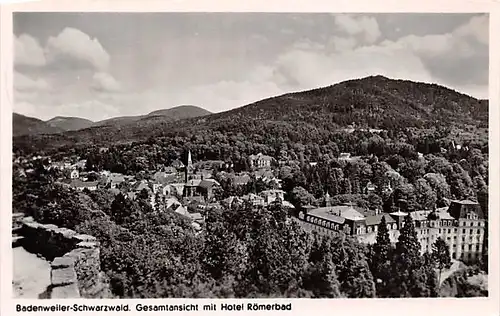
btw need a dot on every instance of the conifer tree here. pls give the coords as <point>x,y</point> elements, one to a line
<point>441,256</point>
<point>408,246</point>
<point>432,279</point>
<point>330,285</point>
<point>381,260</point>
<point>407,262</point>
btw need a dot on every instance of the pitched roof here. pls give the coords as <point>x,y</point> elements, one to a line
<point>141,185</point>
<point>287,204</point>
<point>252,197</point>
<point>376,219</point>
<point>208,183</point>
<point>272,192</point>
<point>460,209</point>
<point>334,212</point>
<point>331,217</point>
<point>177,163</point>
<point>420,215</point>
<point>399,213</point>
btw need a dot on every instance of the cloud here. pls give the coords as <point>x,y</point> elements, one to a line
<point>27,84</point>
<point>308,69</point>
<point>457,58</point>
<point>28,52</point>
<point>477,28</point>
<point>76,48</point>
<point>104,82</point>
<point>364,26</point>
<point>342,43</point>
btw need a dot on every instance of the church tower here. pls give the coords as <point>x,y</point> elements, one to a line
<point>189,167</point>
<point>327,200</point>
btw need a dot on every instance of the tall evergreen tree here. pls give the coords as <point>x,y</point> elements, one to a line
<point>432,279</point>
<point>441,256</point>
<point>407,262</point>
<point>381,259</point>
<point>330,284</point>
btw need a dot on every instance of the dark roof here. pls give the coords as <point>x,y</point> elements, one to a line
<point>460,209</point>
<point>329,217</point>
<point>210,183</point>
<point>177,163</point>
<point>376,219</point>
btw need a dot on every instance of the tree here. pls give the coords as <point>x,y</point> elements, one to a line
<point>329,286</point>
<point>120,209</point>
<point>426,197</point>
<point>143,194</point>
<point>354,275</point>
<point>381,259</point>
<point>301,197</point>
<point>407,261</point>
<point>439,185</point>
<point>441,256</point>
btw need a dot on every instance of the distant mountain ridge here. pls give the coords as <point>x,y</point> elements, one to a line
<point>69,123</point>
<point>24,125</point>
<point>176,113</point>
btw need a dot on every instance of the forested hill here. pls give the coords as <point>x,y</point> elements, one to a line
<point>69,123</point>
<point>371,102</point>
<point>173,114</point>
<point>25,125</point>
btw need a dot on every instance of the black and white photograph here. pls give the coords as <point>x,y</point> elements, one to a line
<point>250,155</point>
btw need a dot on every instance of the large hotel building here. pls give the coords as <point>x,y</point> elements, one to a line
<point>461,225</point>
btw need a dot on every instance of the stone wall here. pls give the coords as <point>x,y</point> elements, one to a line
<point>76,266</point>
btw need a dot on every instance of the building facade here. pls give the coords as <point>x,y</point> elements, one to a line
<point>461,225</point>
<point>260,161</point>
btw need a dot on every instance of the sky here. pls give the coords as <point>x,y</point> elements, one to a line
<point>102,65</point>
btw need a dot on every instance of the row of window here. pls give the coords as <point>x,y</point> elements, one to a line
<point>434,224</point>
<point>454,230</point>
<point>463,256</point>
<point>464,231</point>
<point>464,239</point>
<point>471,215</point>
<point>478,223</point>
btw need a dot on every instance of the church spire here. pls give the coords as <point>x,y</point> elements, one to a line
<point>188,170</point>
<point>189,161</point>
